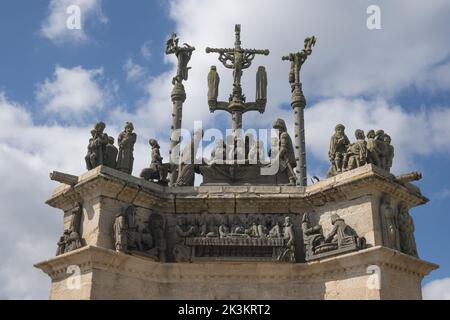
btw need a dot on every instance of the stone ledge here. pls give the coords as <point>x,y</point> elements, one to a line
<point>91,257</point>
<point>348,185</point>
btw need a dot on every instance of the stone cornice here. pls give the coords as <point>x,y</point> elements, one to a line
<point>107,182</point>
<point>91,258</point>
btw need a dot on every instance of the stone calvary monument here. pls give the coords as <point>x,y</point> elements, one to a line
<point>248,231</point>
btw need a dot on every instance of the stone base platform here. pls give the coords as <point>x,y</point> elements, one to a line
<point>355,196</point>
<point>374,273</point>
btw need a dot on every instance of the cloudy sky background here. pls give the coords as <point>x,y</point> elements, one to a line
<point>55,83</point>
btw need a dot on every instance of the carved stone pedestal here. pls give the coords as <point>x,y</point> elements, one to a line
<point>230,268</point>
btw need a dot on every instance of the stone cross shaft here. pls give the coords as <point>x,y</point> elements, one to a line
<point>298,104</point>
<point>237,59</point>
<point>178,96</point>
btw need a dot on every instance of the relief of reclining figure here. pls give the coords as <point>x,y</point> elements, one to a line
<point>342,238</point>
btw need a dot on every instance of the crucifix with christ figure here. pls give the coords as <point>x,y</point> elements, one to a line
<point>237,59</point>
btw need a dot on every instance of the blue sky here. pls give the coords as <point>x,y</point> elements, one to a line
<point>56,83</point>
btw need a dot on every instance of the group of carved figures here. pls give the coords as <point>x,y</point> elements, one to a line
<point>234,227</point>
<point>147,239</point>
<point>342,238</point>
<point>252,151</point>
<point>241,235</point>
<point>101,149</point>
<point>345,156</point>
<point>71,239</point>
<point>398,227</point>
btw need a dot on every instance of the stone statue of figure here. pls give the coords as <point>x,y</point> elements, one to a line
<point>263,231</point>
<point>406,228</point>
<point>181,252</point>
<point>256,152</point>
<point>252,226</point>
<point>121,231</point>
<point>373,153</point>
<point>97,147</point>
<point>382,148</point>
<point>126,141</point>
<point>341,234</point>
<point>90,151</point>
<point>213,85</point>
<point>158,230</point>
<point>286,151</point>
<point>261,85</point>
<point>389,156</point>
<point>224,229</point>
<point>356,155</point>
<point>208,226</point>
<point>312,235</point>
<point>71,239</point>
<point>111,154</point>
<point>183,55</point>
<point>389,219</point>
<point>74,239</point>
<point>157,169</point>
<point>219,153</point>
<point>187,168</point>
<point>251,149</point>
<point>157,163</point>
<point>275,231</point>
<point>297,60</point>
<point>237,226</point>
<point>338,148</point>
<point>289,238</point>
<point>62,242</point>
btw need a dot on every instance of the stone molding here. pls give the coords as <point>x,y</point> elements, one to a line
<point>104,181</point>
<point>90,258</point>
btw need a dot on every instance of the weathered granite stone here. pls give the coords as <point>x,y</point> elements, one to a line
<point>127,139</point>
<point>354,196</point>
<point>106,274</point>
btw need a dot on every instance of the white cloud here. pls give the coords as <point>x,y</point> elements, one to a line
<point>441,195</point>
<point>437,290</point>
<point>54,27</point>
<point>437,78</point>
<point>146,49</point>
<point>134,71</point>
<point>72,92</point>
<point>29,152</point>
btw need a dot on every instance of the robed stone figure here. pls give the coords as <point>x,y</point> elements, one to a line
<point>126,141</point>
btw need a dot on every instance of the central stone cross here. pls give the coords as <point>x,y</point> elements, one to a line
<point>239,59</point>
